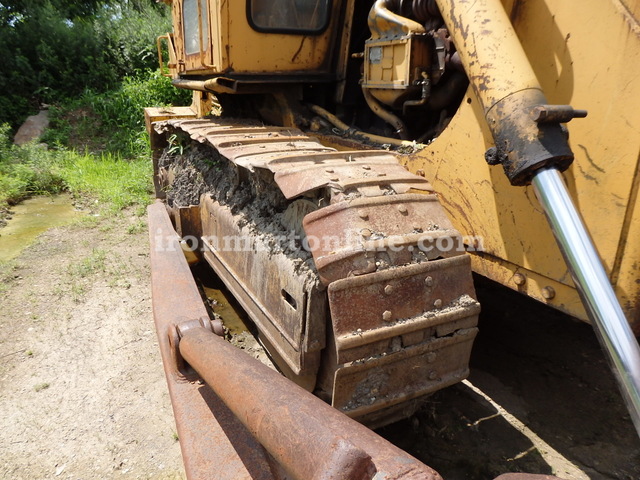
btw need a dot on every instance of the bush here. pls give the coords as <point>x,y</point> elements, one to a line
<point>113,121</point>
<point>121,111</point>
<point>51,56</point>
<point>26,171</point>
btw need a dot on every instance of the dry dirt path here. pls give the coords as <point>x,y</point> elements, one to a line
<point>82,391</point>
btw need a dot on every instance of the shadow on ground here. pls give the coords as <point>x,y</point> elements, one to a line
<point>548,371</point>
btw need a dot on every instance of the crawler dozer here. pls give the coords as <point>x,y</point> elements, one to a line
<point>343,168</point>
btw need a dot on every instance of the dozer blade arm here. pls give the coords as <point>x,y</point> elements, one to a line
<point>532,147</point>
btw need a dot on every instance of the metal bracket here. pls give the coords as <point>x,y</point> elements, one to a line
<point>177,331</point>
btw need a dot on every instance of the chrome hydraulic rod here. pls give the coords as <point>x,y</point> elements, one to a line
<point>592,283</point>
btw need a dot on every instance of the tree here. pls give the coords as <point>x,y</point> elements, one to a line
<point>56,49</point>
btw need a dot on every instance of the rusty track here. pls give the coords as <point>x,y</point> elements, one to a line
<point>401,314</point>
<point>255,424</point>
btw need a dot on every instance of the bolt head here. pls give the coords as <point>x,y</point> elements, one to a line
<point>388,290</point>
<point>402,208</point>
<point>387,316</point>
<point>428,281</point>
<point>437,303</point>
<point>519,279</point>
<point>362,213</point>
<point>365,232</point>
<point>548,292</point>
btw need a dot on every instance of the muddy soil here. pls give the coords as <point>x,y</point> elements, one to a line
<point>82,389</point>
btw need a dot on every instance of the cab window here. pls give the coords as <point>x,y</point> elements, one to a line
<point>289,16</point>
<point>196,24</point>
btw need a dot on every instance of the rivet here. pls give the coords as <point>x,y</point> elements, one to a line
<point>428,281</point>
<point>519,279</point>
<point>437,303</point>
<point>420,173</point>
<point>402,208</point>
<point>329,170</point>
<point>365,232</point>
<point>433,375</point>
<point>366,167</point>
<point>388,290</point>
<point>548,293</point>
<point>334,178</point>
<point>386,316</point>
<point>363,214</point>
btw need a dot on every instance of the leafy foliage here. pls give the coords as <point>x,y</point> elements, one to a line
<point>113,121</point>
<point>93,60</point>
<point>25,170</point>
<point>56,49</point>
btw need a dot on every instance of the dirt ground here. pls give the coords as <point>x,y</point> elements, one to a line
<point>83,394</point>
<point>82,390</point>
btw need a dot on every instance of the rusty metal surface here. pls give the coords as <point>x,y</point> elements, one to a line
<point>413,326</point>
<point>349,175</point>
<point>211,438</point>
<point>372,244</point>
<point>297,159</point>
<point>526,476</point>
<point>393,229</point>
<point>401,294</point>
<point>307,437</point>
<point>295,335</point>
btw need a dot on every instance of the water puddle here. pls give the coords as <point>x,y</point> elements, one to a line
<point>31,218</point>
<point>221,300</point>
<point>242,332</point>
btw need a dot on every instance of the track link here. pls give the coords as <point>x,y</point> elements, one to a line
<point>385,310</point>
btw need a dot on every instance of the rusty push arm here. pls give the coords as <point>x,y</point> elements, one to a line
<point>532,147</point>
<point>252,415</point>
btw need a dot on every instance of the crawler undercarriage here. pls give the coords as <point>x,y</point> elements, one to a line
<point>346,262</point>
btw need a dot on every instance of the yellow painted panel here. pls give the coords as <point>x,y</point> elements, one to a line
<point>587,54</point>
<point>250,51</point>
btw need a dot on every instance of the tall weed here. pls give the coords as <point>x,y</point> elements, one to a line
<point>26,171</point>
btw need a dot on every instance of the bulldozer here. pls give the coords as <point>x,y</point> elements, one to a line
<point>344,167</point>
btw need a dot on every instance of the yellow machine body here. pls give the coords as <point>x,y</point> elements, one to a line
<point>586,54</point>
<point>583,53</point>
<point>215,36</point>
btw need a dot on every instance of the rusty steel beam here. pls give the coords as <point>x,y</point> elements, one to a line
<point>211,437</point>
<point>310,439</point>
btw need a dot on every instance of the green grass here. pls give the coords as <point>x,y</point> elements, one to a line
<point>116,174</point>
<point>95,262</point>
<point>114,182</point>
